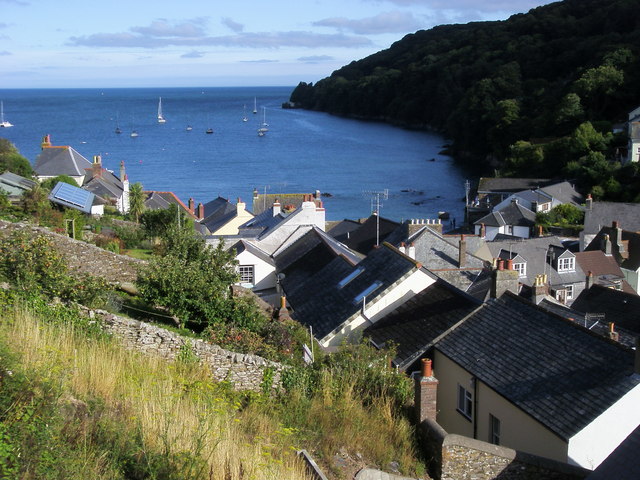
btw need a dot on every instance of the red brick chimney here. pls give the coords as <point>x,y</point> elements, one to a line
<point>462,252</point>
<point>96,168</point>
<point>200,211</point>
<point>483,231</point>
<point>191,210</point>
<point>426,392</point>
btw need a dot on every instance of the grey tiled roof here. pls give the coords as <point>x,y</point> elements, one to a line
<point>533,250</point>
<point>54,161</point>
<point>630,258</point>
<point>363,239</point>
<point>415,325</point>
<point>602,214</point>
<point>320,303</point>
<point>509,185</point>
<point>161,200</point>
<point>623,463</point>
<point>564,192</point>
<point>512,214</point>
<point>217,213</point>
<point>619,307</point>
<point>559,373</point>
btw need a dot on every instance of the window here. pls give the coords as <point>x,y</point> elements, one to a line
<point>521,268</point>
<point>567,264</point>
<point>569,292</point>
<point>465,402</point>
<point>350,277</point>
<point>370,289</point>
<point>494,430</point>
<point>246,274</point>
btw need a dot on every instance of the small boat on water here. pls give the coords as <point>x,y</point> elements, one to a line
<point>189,128</point>
<point>442,215</point>
<point>255,105</point>
<point>160,117</point>
<point>244,115</point>
<point>134,133</point>
<point>117,130</point>
<point>209,131</point>
<point>3,123</point>
<point>262,131</point>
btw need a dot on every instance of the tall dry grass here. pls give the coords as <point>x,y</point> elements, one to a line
<point>175,410</point>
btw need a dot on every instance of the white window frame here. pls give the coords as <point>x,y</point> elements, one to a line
<point>569,292</point>
<point>465,403</point>
<point>567,264</point>
<point>521,268</point>
<point>247,272</point>
<point>494,429</point>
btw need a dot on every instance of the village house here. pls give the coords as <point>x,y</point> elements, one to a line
<point>221,217</point>
<point>513,374</point>
<point>545,267</point>
<point>512,219</point>
<point>633,131</point>
<point>54,161</point>
<point>543,199</point>
<point>14,186</point>
<point>598,215</point>
<point>342,298</point>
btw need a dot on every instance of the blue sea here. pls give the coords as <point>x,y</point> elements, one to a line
<point>350,160</point>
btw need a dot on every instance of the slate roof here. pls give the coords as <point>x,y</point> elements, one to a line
<point>564,192</point>
<point>534,251</point>
<point>512,214</point>
<point>604,268</point>
<point>262,202</point>
<point>15,185</point>
<point>363,239</point>
<point>322,304</point>
<point>630,257</point>
<point>440,255</point>
<point>623,463</point>
<point>242,246</point>
<point>415,326</point>
<point>217,213</point>
<point>510,185</point>
<point>602,214</point>
<point>60,160</point>
<point>161,200</point>
<point>559,373</point>
<point>619,307</point>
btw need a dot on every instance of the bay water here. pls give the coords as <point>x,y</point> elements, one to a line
<point>352,162</point>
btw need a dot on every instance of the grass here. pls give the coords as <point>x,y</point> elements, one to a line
<point>128,416</point>
<point>139,253</point>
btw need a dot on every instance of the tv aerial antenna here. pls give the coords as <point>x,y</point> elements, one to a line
<point>376,196</point>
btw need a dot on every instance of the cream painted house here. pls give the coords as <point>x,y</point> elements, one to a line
<point>515,375</point>
<point>221,217</point>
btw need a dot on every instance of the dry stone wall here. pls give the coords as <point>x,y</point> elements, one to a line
<point>243,371</point>
<point>82,257</point>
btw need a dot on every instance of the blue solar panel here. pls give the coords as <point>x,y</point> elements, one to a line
<point>70,194</point>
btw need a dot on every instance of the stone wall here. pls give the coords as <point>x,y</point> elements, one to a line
<point>464,458</point>
<point>82,257</point>
<point>243,371</point>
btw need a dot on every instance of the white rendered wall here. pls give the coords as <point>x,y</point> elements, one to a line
<point>264,273</point>
<point>596,441</point>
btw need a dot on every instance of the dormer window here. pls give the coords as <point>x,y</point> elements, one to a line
<point>350,277</point>
<point>567,264</point>
<point>370,289</point>
<point>521,268</point>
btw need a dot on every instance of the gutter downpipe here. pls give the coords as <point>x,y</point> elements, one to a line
<point>475,408</point>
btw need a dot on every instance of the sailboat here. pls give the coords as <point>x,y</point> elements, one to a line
<point>244,114</point>
<point>255,105</point>
<point>3,123</point>
<point>262,131</point>
<point>134,132</point>
<point>117,125</point>
<point>160,117</point>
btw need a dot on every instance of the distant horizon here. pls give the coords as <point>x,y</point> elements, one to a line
<point>147,88</point>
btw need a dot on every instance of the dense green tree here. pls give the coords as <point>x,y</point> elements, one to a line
<point>191,280</point>
<point>12,161</point>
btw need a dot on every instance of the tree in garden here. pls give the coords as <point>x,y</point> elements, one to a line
<point>52,182</point>
<point>12,161</point>
<point>136,201</point>
<point>191,280</point>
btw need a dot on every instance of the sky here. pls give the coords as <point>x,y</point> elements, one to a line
<point>197,43</point>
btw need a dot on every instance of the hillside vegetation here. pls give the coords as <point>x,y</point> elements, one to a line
<point>488,85</point>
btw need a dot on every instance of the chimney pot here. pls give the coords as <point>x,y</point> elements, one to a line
<point>426,370</point>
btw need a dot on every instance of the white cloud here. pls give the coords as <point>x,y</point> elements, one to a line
<point>162,28</point>
<point>192,54</point>
<point>388,22</point>
<point>4,53</point>
<point>234,26</point>
<point>316,58</point>
<point>246,40</point>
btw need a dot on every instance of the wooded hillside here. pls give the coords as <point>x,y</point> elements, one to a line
<point>486,85</point>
